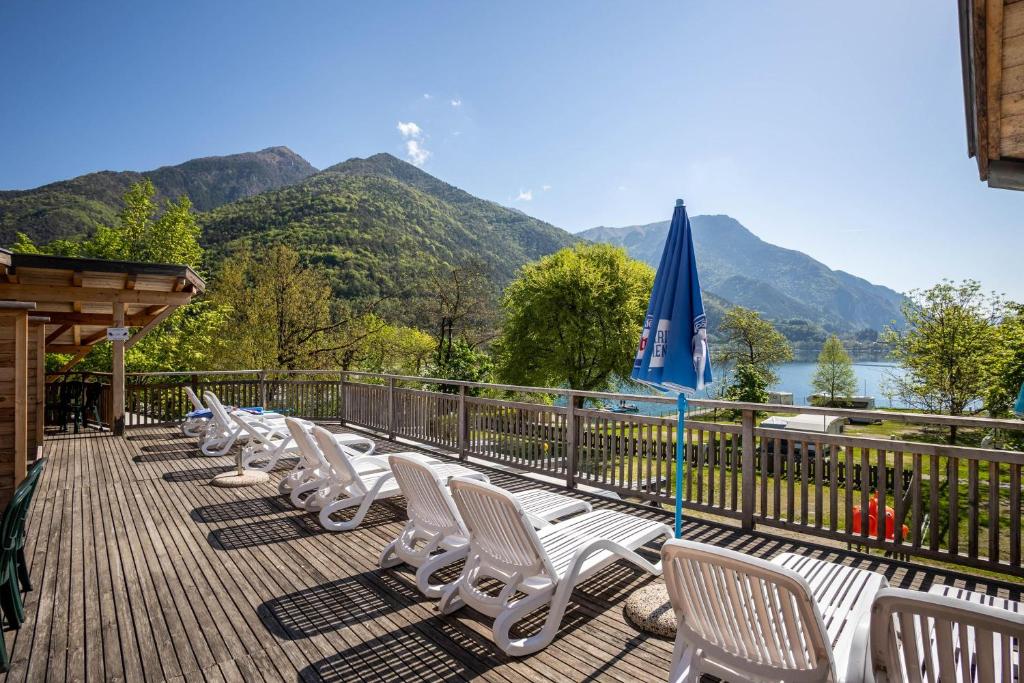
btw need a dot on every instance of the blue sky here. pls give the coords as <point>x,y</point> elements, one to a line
<point>832,128</point>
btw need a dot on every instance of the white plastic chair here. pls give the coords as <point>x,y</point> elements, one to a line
<point>945,635</point>
<point>544,566</point>
<point>744,618</point>
<point>350,486</point>
<point>435,535</point>
<point>222,433</point>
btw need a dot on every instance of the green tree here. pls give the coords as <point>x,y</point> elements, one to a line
<point>1008,366</point>
<point>947,349</point>
<point>749,339</point>
<point>461,362</point>
<point>749,385</point>
<point>574,318</point>
<point>834,376</point>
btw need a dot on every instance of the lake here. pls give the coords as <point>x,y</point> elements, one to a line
<point>796,378</point>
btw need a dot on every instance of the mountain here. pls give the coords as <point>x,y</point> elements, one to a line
<point>379,223</point>
<point>783,284</point>
<point>71,208</point>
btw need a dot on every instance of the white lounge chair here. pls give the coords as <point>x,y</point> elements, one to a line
<point>946,634</point>
<point>435,535</point>
<point>312,472</point>
<point>197,418</point>
<point>790,619</point>
<point>350,486</point>
<point>544,566</point>
<point>222,432</point>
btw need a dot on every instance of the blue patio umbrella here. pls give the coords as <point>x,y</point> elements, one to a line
<point>673,354</point>
<point>1018,407</point>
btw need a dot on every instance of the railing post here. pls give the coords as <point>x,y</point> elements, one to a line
<point>571,445</point>
<point>391,408</point>
<point>263,388</point>
<point>341,401</point>
<point>747,471</point>
<point>463,425</point>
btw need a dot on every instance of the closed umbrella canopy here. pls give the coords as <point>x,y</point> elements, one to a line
<point>673,354</point>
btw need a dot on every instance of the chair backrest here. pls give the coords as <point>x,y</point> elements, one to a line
<point>745,613</point>
<point>499,530</point>
<point>309,452</point>
<point>919,637</point>
<point>220,413</point>
<point>428,501</point>
<point>194,400</point>
<point>339,459</point>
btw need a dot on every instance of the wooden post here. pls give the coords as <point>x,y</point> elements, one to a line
<point>21,425</point>
<point>463,425</point>
<point>570,442</point>
<point>263,389</point>
<point>117,373</point>
<point>341,400</point>
<point>747,471</point>
<point>37,384</point>
<point>391,408</point>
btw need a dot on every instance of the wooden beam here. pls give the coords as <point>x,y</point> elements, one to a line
<point>117,375</point>
<point>994,75</point>
<point>79,357</point>
<point>76,278</point>
<point>149,326</point>
<point>129,281</point>
<point>65,294</point>
<point>39,426</point>
<point>76,334</point>
<point>980,79</point>
<point>67,348</point>
<point>95,337</point>
<point>57,332</point>
<point>104,319</point>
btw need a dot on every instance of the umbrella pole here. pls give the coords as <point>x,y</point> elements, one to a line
<point>680,463</point>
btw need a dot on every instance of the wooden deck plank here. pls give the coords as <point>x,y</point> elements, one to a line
<point>143,572</point>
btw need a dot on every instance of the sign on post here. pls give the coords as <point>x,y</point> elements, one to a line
<point>118,333</point>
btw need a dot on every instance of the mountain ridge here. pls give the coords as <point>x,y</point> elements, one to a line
<point>70,208</point>
<point>781,283</point>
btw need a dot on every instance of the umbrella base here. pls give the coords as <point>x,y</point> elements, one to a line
<point>650,610</point>
<point>232,479</point>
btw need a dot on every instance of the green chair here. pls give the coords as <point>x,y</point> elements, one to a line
<point>12,532</point>
<point>32,481</point>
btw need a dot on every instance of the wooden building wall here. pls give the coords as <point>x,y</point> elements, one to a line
<point>13,399</point>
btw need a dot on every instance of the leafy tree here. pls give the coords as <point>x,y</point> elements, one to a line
<point>749,384</point>
<point>834,376</point>
<point>392,349</point>
<point>461,362</point>
<point>573,318</point>
<point>1008,364</point>
<point>749,339</point>
<point>948,348</point>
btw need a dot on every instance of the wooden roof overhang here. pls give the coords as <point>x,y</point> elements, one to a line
<point>992,57</point>
<point>80,296</point>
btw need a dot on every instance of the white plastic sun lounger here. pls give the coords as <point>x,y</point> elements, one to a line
<point>544,566</point>
<point>350,487</point>
<point>435,535</point>
<point>222,433</point>
<point>946,634</point>
<point>312,472</point>
<point>197,419</point>
<point>743,618</point>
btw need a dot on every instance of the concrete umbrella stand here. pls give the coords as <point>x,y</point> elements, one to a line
<point>240,476</point>
<point>650,610</point>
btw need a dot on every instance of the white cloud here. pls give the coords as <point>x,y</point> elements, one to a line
<point>524,196</point>
<point>409,130</point>
<point>545,187</point>
<point>456,133</point>
<point>622,188</point>
<point>456,102</point>
<point>427,96</point>
<point>416,153</point>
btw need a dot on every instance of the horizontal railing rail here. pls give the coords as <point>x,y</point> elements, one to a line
<point>903,497</point>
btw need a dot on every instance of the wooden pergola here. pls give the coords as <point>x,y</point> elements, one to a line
<point>82,298</point>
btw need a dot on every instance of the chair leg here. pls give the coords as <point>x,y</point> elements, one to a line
<point>7,603</point>
<point>5,662</point>
<point>23,575</point>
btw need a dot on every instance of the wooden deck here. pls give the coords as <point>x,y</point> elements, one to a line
<point>143,572</point>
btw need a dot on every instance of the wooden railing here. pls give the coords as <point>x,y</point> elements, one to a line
<point>948,503</point>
